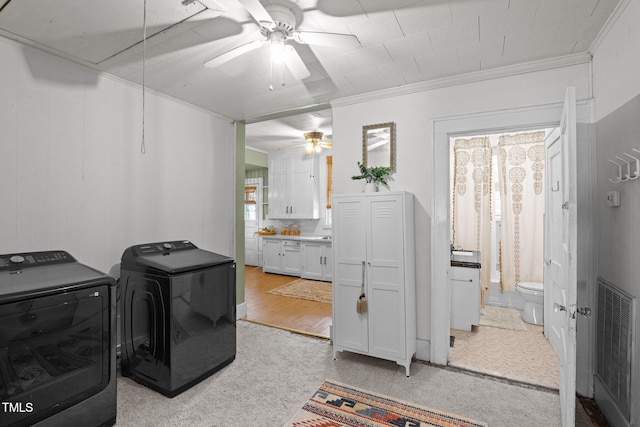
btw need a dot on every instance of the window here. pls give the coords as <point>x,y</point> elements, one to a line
<point>250,203</point>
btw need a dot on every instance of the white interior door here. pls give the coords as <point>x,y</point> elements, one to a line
<point>252,217</point>
<point>560,273</point>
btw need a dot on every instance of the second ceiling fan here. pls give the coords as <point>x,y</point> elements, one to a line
<point>278,26</point>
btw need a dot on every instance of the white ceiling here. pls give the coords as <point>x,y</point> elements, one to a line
<point>402,42</point>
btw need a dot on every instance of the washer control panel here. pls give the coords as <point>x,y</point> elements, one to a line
<point>34,259</point>
<point>162,247</point>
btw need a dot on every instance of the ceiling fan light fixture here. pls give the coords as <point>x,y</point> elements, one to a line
<point>276,47</point>
<point>309,148</point>
<point>313,139</point>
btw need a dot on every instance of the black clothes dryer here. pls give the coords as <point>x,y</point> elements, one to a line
<point>57,342</point>
<point>178,314</point>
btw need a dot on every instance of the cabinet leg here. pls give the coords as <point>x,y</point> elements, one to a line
<point>406,368</point>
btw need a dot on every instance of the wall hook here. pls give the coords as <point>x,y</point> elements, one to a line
<point>626,176</point>
<point>619,177</point>
<point>636,174</point>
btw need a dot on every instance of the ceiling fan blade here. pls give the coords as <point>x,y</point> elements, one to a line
<point>295,63</point>
<point>233,53</point>
<point>213,5</point>
<point>259,13</point>
<point>344,41</point>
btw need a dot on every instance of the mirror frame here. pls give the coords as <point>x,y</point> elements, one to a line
<point>392,143</point>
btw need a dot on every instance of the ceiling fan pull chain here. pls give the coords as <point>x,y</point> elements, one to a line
<point>143,147</point>
<point>271,75</point>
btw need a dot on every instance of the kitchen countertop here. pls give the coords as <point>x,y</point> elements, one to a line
<point>301,237</point>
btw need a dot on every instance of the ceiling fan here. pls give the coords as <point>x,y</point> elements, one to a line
<point>277,25</point>
<point>315,143</point>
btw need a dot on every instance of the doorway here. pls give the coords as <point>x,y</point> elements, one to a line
<point>496,179</point>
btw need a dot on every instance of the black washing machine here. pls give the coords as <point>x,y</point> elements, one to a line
<point>178,314</point>
<point>57,342</point>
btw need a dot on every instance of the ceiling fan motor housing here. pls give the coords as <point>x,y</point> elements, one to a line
<point>284,20</point>
<point>313,136</point>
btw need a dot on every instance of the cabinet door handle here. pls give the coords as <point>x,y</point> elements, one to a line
<point>320,260</point>
<point>325,260</point>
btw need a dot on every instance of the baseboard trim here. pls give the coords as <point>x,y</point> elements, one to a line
<point>241,310</point>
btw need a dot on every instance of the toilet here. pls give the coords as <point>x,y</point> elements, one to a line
<point>533,294</point>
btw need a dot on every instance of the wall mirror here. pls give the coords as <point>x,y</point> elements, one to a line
<point>379,145</point>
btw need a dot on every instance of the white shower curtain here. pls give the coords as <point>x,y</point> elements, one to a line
<point>471,201</point>
<point>521,160</point>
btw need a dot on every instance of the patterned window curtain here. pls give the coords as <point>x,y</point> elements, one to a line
<point>471,201</point>
<point>521,160</point>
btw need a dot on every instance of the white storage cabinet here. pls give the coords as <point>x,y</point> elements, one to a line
<point>317,261</point>
<point>376,229</point>
<point>294,190</point>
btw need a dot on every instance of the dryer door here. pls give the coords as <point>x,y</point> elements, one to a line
<point>54,352</point>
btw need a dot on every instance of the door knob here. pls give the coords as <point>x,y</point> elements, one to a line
<point>558,307</point>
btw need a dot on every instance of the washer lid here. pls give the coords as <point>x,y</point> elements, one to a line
<point>170,257</point>
<point>532,286</point>
<point>180,261</point>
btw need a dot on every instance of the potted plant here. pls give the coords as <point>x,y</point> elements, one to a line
<point>373,175</point>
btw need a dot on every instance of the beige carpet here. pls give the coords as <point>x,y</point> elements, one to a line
<point>276,371</point>
<point>305,289</point>
<point>505,318</point>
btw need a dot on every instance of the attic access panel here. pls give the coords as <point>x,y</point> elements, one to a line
<point>94,31</point>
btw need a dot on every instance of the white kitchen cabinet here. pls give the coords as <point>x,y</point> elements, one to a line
<point>465,297</point>
<point>291,261</point>
<point>271,258</point>
<point>294,186</point>
<point>281,257</point>
<point>373,243</point>
<point>317,262</point>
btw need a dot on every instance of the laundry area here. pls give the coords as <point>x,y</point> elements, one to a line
<point>163,161</point>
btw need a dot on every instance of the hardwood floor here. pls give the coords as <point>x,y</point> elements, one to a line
<point>297,315</point>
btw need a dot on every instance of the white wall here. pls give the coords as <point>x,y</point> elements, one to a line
<point>415,115</point>
<point>616,65</point>
<point>616,62</point>
<point>73,176</point>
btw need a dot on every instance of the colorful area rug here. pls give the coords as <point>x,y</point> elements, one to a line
<point>337,405</point>
<point>305,289</point>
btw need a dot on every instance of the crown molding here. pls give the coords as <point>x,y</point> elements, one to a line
<point>476,76</point>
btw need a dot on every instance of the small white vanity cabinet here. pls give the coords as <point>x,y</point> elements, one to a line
<point>294,190</point>
<point>373,238</point>
<point>465,297</point>
<point>317,261</point>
